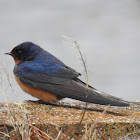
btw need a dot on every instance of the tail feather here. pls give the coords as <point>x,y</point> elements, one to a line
<point>98,97</point>
<point>105,99</point>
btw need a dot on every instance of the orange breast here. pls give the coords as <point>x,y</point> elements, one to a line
<point>43,95</point>
<point>16,60</point>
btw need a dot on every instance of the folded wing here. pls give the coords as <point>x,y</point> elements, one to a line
<point>64,82</point>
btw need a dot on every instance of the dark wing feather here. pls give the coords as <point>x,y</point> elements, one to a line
<point>42,74</point>
<point>74,90</point>
<point>65,86</point>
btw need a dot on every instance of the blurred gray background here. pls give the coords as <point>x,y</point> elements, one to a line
<point>108,32</point>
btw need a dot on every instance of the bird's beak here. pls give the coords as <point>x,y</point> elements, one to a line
<point>9,53</point>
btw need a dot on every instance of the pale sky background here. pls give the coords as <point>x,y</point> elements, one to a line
<point>108,32</point>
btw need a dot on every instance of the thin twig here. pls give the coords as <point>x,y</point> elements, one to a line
<point>102,136</point>
<point>86,72</point>
<point>96,122</point>
<point>12,116</point>
<point>37,129</point>
<point>94,135</point>
<point>62,134</point>
<point>8,137</point>
<point>76,46</point>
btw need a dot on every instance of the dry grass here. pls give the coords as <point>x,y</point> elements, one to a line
<point>50,122</point>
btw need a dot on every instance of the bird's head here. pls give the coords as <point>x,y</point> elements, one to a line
<point>24,52</point>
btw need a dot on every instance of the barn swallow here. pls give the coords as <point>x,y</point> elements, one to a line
<point>44,76</point>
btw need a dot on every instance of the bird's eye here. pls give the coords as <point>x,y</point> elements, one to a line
<point>19,51</point>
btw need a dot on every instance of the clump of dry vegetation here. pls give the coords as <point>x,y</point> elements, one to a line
<point>65,121</point>
<point>38,121</point>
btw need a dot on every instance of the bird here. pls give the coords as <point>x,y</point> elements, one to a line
<point>42,75</point>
